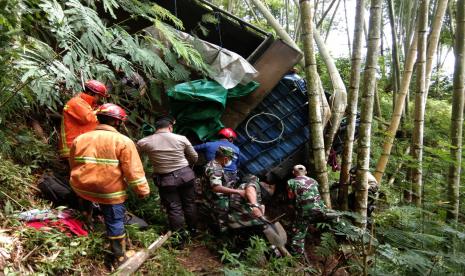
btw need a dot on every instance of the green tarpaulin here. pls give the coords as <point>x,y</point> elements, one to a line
<point>198,105</point>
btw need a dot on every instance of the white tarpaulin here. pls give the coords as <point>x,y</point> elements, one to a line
<point>227,68</point>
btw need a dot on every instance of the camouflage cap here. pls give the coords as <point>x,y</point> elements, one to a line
<point>225,151</point>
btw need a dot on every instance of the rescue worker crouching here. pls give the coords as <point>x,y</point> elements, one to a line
<point>245,211</point>
<point>305,197</point>
<point>218,190</point>
<point>373,191</point>
<point>79,115</point>
<point>103,164</point>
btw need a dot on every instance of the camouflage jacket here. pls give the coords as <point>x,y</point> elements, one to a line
<point>238,201</point>
<point>214,175</point>
<point>306,195</point>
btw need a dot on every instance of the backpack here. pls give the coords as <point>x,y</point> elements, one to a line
<point>57,190</point>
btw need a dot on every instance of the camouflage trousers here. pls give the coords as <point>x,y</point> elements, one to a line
<point>232,215</point>
<point>241,216</point>
<point>298,233</point>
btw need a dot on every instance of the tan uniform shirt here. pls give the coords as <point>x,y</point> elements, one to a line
<point>168,151</point>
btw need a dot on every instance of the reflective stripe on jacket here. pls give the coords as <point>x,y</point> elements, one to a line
<point>78,118</point>
<point>103,164</point>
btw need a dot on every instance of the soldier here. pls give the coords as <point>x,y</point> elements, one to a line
<point>243,212</point>
<point>303,191</point>
<point>218,191</point>
<point>226,138</point>
<point>373,191</point>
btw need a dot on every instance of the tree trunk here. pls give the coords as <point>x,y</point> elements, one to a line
<point>377,107</point>
<point>418,121</point>
<point>352,103</point>
<point>366,110</point>
<point>331,20</point>
<point>347,28</point>
<point>252,11</point>
<point>457,115</point>
<point>314,104</point>
<point>274,23</point>
<point>399,107</point>
<point>287,15</point>
<point>395,54</point>
<point>339,101</point>
<point>325,13</point>
<point>441,8</point>
<point>134,262</point>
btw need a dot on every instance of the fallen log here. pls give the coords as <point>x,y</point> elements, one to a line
<point>134,262</point>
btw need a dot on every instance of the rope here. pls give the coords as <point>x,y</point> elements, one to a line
<point>254,139</point>
<point>218,27</point>
<point>175,8</point>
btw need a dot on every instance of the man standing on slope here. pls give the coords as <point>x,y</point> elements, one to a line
<point>227,137</point>
<point>171,155</point>
<point>79,115</point>
<point>103,164</point>
<point>305,197</point>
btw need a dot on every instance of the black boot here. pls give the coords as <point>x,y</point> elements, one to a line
<point>118,250</point>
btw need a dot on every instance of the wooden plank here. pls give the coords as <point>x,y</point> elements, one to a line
<point>134,262</point>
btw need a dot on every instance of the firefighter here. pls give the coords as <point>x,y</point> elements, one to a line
<point>79,115</point>
<point>226,138</point>
<point>305,197</point>
<point>104,163</point>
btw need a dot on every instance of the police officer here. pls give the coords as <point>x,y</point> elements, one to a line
<point>171,154</point>
<point>303,192</point>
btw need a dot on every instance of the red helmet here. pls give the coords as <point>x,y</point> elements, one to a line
<point>112,110</point>
<point>97,87</point>
<point>227,133</point>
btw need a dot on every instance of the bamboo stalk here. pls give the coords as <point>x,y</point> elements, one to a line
<point>134,262</point>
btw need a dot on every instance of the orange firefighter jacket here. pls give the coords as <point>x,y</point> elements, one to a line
<point>78,118</point>
<point>103,164</point>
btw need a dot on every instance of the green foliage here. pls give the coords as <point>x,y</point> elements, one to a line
<point>327,246</point>
<point>253,260</point>
<point>418,242</point>
<point>21,154</point>
<point>52,252</point>
<point>343,66</point>
<point>163,263</point>
<point>65,42</point>
<point>14,181</point>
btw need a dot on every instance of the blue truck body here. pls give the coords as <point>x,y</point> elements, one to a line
<point>276,129</point>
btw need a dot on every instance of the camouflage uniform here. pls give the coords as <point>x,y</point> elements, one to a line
<point>217,202</point>
<point>308,205</point>
<point>240,210</point>
<point>232,211</point>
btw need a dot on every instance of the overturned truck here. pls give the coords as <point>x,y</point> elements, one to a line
<point>272,120</point>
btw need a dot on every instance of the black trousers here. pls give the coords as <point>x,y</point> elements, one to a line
<point>178,197</point>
